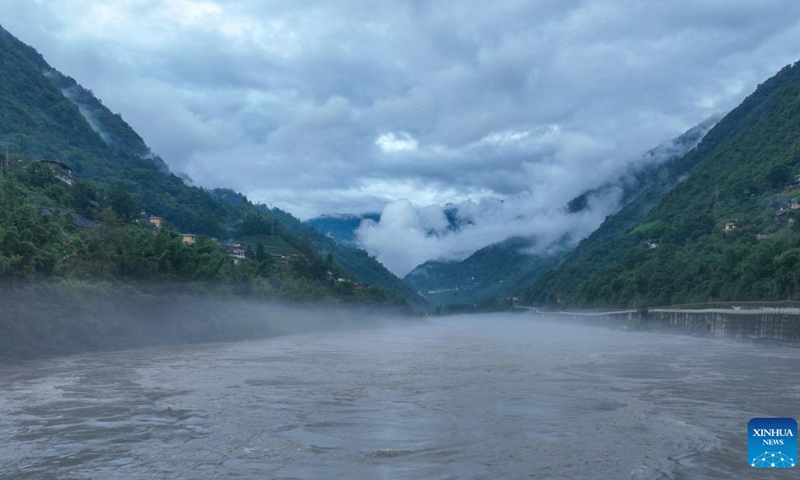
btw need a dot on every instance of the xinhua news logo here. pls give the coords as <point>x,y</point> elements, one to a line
<point>772,442</point>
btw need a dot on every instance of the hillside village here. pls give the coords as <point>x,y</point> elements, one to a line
<point>270,248</point>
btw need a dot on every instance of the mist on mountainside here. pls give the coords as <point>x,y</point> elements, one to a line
<point>727,231</point>
<point>406,236</point>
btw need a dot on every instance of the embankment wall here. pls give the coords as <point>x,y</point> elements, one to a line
<point>781,324</point>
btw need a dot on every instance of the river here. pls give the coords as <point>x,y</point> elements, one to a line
<point>474,397</point>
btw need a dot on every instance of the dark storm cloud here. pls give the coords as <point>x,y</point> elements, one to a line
<point>350,105</point>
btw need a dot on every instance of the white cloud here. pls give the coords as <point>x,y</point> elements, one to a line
<point>407,236</point>
<point>507,137</point>
<point>402,142</point>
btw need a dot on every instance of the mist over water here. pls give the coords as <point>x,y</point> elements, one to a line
<point>484,396</point>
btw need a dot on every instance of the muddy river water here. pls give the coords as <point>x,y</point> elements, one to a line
<point>479,397</point>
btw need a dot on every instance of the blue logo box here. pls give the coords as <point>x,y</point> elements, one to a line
<point>772,442</point>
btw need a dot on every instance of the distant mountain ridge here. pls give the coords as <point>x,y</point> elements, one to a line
<point>341,227</point>
<point>506,268</point>
<point>495,272</point>
<point>356,261</point>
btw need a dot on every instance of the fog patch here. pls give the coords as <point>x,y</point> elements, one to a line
<point>407,236</point>
<point>72,93</point>
<point>65,317</point>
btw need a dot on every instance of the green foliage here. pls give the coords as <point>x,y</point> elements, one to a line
<point>741,171</point>
<point>779,175</point>
<point>123,204</point>
<point>41,238</point>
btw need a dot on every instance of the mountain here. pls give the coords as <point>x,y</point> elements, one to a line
<point>645,187</point>
<point>506,268</point>
<point>342,227</point>
<point>726,231</point>
<point>45,115</point>
<point>358,263</point>
<point>495,271</point>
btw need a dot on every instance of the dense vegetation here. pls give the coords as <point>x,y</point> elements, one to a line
<point>51,229</point>
<point>680,252</point>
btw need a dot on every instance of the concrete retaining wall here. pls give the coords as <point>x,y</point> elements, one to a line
<point>754,324</point>
<point>765,323</point>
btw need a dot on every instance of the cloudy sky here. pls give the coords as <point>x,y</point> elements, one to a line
<point>507,108</point>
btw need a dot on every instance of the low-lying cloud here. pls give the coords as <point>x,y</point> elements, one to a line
<point>407,236</point>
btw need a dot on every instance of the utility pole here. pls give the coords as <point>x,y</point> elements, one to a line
<point>7,144</point>
<point>5,184</point>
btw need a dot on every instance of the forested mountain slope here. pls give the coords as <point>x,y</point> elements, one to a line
<point>726,232</point>
<point>45,115</point>
<point>357,262</point>
<point>492,272</point>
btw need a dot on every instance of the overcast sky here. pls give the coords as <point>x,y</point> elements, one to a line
<point>355,105</point>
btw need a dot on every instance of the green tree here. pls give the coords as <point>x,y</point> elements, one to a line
<point>779,175</point>
<point>123,204</point>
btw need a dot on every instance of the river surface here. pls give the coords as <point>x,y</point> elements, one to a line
<point>479,397</point>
